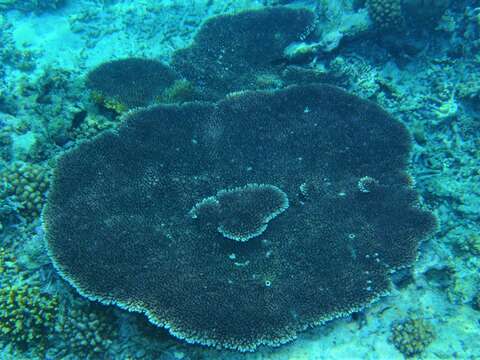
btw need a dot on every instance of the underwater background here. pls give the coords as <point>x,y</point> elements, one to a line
<point>60,87</point>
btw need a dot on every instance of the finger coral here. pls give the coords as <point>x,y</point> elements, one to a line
<point>27,316</point>
<point>119,224</point>
<point>412,336</point>
<point>26,184</point>
<point>87,330</point>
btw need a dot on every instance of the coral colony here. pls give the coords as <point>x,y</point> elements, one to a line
<point>290,239</point>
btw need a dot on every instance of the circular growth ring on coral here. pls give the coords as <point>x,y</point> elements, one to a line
<point>118,225</point>
<point>243,212</point>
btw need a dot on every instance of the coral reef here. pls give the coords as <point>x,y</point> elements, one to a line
<point>412,336</point>
<point>26,185</point>
<point>117,224</point>
<point>128,83</point>
<point>243,212</point>
<point>426,73</point>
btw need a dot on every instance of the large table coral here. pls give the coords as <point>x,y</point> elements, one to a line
<point>240,51</point>
<point>121,226</point>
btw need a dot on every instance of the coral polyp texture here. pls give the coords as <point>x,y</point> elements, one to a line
<point>119,224</point>
<point>243,212</point>
<point>232,52</point>
<point>128,83</point>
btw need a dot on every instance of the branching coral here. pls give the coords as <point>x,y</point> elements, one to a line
<point>470,244</point>
<point>476,301</point>
<point>27,316</point>
<point>8,265</point>
<point>180,91</point>
<point>87,329</point>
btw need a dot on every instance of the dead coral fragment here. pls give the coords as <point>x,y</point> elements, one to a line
<point>118,229</point>
<point>243,212</point>
<point>128,83</point>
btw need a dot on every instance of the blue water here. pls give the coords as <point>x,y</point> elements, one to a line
<point>239,179</point>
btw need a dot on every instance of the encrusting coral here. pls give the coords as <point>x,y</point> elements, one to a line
<point>118,226</point>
